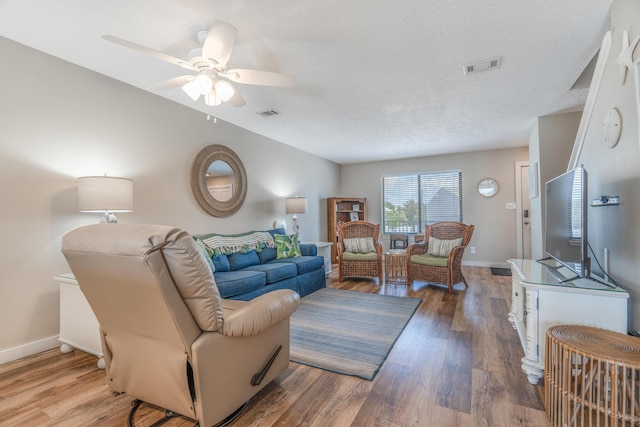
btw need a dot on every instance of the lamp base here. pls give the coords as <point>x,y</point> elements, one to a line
<point>109,218</point>
<point>296,226</point>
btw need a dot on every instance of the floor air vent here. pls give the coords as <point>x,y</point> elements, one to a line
<point>477,67</point>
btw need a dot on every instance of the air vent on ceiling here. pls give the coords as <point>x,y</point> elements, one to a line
<point>268,113</point>
<point>489,64</point>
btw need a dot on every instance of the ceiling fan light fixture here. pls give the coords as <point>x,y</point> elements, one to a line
<point>224,90</point>
<point>212,99</point>
<point>203,84</point>
<point>191,90</point>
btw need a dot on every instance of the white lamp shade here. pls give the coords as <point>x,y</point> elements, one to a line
<point>191,90</point>
<point>296,205</point>
<point>224,90</point>
<point>105,193</point>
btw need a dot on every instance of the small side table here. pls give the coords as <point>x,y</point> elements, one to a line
<point>591,377</point>
<point>324,250</point>
<point>394,266</point>
<point>79,327</point>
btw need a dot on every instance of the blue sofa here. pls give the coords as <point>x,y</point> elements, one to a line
<point>245,274</point>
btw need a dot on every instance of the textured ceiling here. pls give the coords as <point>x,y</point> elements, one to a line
<point>376,79</point>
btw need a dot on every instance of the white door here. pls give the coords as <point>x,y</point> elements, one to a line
<point>523,211</point>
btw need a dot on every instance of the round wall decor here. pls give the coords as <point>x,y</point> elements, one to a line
<point>611,127</point>
<point>488,187</point>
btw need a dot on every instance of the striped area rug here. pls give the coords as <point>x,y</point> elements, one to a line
<point>348,332</point>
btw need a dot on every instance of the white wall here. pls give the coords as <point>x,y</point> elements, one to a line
<point>495,234</point>
<point>617,171</point>
<point>60,121</point>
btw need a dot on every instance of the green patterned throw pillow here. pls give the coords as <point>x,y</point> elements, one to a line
<point>287,246</point>
<point>442,248</point>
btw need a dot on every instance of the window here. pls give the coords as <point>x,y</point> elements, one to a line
<point>409,202</point>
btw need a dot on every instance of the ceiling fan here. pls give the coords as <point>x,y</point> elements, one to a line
<point>212,79</point>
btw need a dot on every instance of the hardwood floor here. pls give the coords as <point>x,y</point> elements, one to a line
<point>457,363</point>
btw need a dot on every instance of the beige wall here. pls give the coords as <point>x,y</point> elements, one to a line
<point>617,171</point>
<point>550,143</point>
<point>60,121</point>
<point>495,234</point>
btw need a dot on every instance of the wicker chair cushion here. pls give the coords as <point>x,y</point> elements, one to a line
<point>354,256</point>
<point>433,261</point>
<point>360,245</point>
<point>442,248</point>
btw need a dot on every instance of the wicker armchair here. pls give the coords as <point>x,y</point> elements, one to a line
<point>435,269</point>
<point>359,264</point>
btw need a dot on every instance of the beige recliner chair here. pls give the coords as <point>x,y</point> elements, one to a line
<point>167,336</point>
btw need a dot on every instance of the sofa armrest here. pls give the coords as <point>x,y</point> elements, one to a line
<point>308,249</point>
<point>255,316</point>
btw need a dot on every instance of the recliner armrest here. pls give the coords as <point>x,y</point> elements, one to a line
<point>255,316</point>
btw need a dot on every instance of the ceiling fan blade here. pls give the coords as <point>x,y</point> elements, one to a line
<point>260,78</point>
<point>219,43</point>
<point>237,100</point>
<point>148,51</point>
<point>171,83</point>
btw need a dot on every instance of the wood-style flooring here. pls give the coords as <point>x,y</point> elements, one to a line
<point>457,363</point>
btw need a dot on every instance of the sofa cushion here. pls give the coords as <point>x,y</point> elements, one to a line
<point>267,255</point>
<point>303,264</point>
<point>238,260</point>
<point>275,272</point>
<point>441,248</point>
<point>361,245</point>
<point>221,263</point>
<point>355,256</point>
<point>232,283</point>
<point>287,246</point>
<point>426,259</point>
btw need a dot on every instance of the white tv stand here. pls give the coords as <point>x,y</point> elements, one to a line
<point>541,298</point>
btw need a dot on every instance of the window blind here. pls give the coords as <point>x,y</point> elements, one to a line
<point>414,200</point>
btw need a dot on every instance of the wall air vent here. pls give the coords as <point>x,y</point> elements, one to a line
<point>268,113</point>
<point>477,67</point>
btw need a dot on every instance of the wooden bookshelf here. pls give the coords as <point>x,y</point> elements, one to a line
<point>339,210</point>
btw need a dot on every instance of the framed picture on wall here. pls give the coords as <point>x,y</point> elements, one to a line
<point>533,180</point>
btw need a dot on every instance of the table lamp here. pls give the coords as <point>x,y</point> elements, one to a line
<point>295,206</point>
<point>106,194</point>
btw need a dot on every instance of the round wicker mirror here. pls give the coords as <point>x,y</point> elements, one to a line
<point>219,193</point>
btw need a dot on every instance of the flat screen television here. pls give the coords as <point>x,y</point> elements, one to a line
<point>566,220</point>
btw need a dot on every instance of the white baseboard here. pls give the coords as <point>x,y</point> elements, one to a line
<point>28,349</point>
<point>486,264</point>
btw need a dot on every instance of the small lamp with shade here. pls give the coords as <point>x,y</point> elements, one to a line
<point>295,206</point>
<point>105,194</point>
